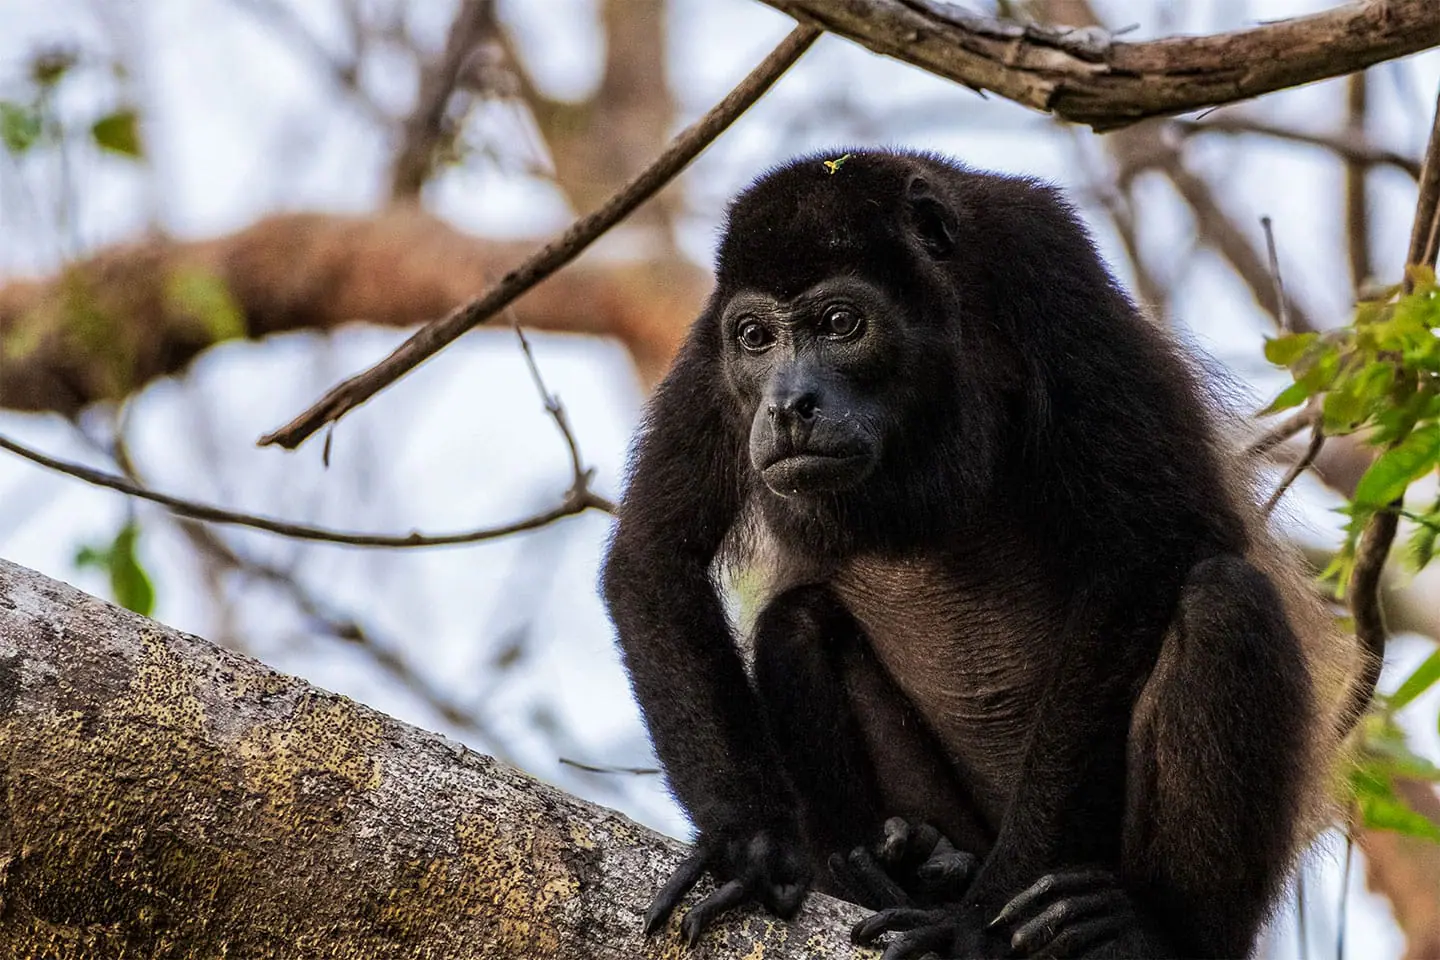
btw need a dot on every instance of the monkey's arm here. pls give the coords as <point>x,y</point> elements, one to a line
<point>1215,764</point>
<point>687,675</point>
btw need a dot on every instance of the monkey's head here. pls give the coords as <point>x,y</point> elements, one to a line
<point>840,322</point>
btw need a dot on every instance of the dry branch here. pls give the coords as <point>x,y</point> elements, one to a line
<point>576,501</point>
<point>164,797</point>
<point>426,131</point>
<point>303,272</point>
<point>435,336</point>
<point>1352,145</point>
<point>1084,76</point>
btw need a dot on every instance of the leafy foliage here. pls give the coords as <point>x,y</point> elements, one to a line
<point>129,583</point>
<point>20,127</point>
<point>1381,376</point>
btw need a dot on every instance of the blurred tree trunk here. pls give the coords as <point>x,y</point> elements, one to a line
<point>165,798</point>
<point>112,323</point>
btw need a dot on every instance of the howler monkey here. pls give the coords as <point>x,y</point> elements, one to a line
<point>1014,596</point>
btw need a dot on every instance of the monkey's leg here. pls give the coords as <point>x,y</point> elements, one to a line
<point>857,755</point>
<point>1219,739</point>
<point>802,639</point>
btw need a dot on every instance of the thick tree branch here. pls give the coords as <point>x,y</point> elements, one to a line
<point>117,320</point>
<point>1086,77</point>
<point>164,797</point>
<point>435,336</point>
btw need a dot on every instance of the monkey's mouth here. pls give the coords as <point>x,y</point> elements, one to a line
<point>802,474</point>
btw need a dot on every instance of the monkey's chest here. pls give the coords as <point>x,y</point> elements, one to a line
<point>972,649</point>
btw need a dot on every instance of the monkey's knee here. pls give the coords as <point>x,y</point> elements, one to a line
<point>811,611</point>
<point>1228,606</point>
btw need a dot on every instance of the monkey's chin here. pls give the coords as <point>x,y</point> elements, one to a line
<point>809,474</point>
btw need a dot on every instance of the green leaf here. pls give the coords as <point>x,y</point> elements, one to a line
<point>1382,809</point>
<point>129,583</point>
<point>20,128</point>
<point>1343,409</point>
<point>1283,351</point>
<point>1397,760</point>
<point>1420,680</point>
<point>1422,541</point>
<point>1408,460</point>
<point>119,132</point>
<point>1291,396</point>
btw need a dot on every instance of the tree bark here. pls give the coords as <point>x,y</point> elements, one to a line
<point>1088,77</point>
<point>165,798</point>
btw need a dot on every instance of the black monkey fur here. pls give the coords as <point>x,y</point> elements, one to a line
<point>1021,614</point>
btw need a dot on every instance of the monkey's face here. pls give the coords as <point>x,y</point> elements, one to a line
<point>813,374</point>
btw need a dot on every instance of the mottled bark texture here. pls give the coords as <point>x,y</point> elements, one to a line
<point>164,798</point>
<point>1086,76</point>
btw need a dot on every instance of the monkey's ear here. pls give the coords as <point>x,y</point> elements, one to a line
<point>931,219</point>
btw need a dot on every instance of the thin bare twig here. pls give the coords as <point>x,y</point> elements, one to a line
<point>1317,440</point>
<point>1312,409</point>
<point>1357,185</point>
<point>1350,145</point>
<point>576,501</point>
<point>607,768</point>
<point>1284,318</point>
<point>435,336</point>
<point>1379,533</point>
<point>1282,431</point>
<point>581,475</point>
<point>425,130</point>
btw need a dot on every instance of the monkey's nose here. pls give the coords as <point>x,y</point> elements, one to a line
<point>797,407</point>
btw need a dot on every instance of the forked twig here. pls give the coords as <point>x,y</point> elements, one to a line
<point>436,335</point>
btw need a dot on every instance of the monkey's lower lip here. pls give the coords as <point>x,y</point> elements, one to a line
<point>805,473</point>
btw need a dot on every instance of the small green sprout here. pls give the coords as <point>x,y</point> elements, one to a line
<point>837,163</point>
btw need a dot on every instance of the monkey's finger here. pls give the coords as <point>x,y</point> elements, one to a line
<point>700,916</point>
<point>685,876</point>
<point>1050,887</point>
<point>905,844</point>
<point>918,942</point>
<point>1080,938</point>
<point>947,871</point>
<point>896,918</point>
<point>1037,934</point>
<point>875,884</point>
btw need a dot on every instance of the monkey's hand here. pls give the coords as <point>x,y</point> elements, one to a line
<point>767,866</point>
<point>955,930</point>
<point>1070,912</point>
<point>1063,914</point>
<point>913,864</point>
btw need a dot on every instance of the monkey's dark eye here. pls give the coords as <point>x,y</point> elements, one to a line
<point>752,335</point>
<point>841,323</point>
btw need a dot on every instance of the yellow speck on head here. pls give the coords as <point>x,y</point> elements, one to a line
<point>833,165</point>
